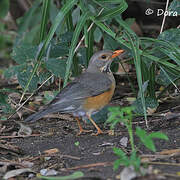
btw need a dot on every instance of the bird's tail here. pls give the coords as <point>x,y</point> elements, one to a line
<point>36,116</point>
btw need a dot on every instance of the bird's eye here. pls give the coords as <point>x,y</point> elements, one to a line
<point>103,56</point>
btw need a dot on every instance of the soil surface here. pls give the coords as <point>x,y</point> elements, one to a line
<point>93,155</point>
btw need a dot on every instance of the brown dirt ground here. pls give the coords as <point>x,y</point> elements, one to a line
<point>92,150</point>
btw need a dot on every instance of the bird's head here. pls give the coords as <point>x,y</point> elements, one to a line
<point>101,60</point>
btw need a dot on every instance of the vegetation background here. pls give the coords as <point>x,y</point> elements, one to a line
<point>46,43</point>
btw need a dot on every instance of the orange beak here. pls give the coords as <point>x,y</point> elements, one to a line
<point>117,53</point>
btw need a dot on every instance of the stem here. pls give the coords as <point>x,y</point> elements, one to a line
<point>130,131</point>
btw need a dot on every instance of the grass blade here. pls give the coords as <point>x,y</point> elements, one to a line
<point>74,41</point>
<point>44,20</point>
<point>60,16</point>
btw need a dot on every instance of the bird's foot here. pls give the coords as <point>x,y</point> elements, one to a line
<point>83,131</point>
<point>99,131</point>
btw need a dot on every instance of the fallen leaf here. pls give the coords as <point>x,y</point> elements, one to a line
<point>16,172</point>
<point>51,151</point>
<point>24,130</point>
<point>168,152</point>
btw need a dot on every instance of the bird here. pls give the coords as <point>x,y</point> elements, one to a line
<point>87,94</point>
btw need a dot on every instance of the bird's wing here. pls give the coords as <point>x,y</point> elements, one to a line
<point>87,85</point>
<point>72,96</point>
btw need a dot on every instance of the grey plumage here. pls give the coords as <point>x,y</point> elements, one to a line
<point>90,83</point>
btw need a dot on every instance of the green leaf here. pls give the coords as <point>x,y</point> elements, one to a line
<point>135,160</point>
<point>76,15</point>
<point>7,90</point>
<point>134,42</point>
<point>75,175</point>
<point>26,21</point>
<point>32,36</point>
<point>11,71</point>
<point>6,108</point>
<point>165,78</point>
<point>99,117</point>
<point>60,16</point>
<point>24,53</point>
<point>149,102</point>
<point>4,4</point>
<point>123,158</point>
<point>74,41</point>
<point>175,6</point>
<point>48,97</point>
<point>23,77</point>
<point>44,20</point>
<point>82,56</point>
<point>53,11</point>
<point>171,35</point>
<point>119,152</point>
<point>43,76</point>
<point>110,43</point>
<point>97,35</point>
<point>116,164</point>
<point>158,135</point>
<point>59,50</point>
<point>56,66</point>
<point>145,139</point>
<point>66,37</point>
<point>119,7</point>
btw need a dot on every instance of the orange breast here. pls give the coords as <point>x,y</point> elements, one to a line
<point>97,102</point>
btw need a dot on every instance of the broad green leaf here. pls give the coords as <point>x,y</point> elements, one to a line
<point>130,21</point>
<point>3,99</point>
<point>162,78</point>
<point>4,4</point>
<point>66,37</point>
<point>23,77</point>
<point>24,53</point>
<point>119,152</point>
<point>97,35</point>
<point>116,164</point>
<point>59,50</point>
<point>149,101</point>
<point>56,66</point>
<point>7,90</point>
<point>110,43</point>
<point>171,35</point>
<point>53,11</point>
<point>141,133</point>
<point>175,6</point>
<point>82,56</point>
<point>145,139</point>
<point>100,117</point>
<point>150,144</point>
<point>26,21</point>
<point>6,108</point>
<point>75,15</point>
<point>135,160</point>
<point>11,71</point>
<point>32,36</point>
<point>158,135</point>
<point>43,76</point>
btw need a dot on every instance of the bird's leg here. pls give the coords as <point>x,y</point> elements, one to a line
<point>81,130</point>
<point>99,131</point>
